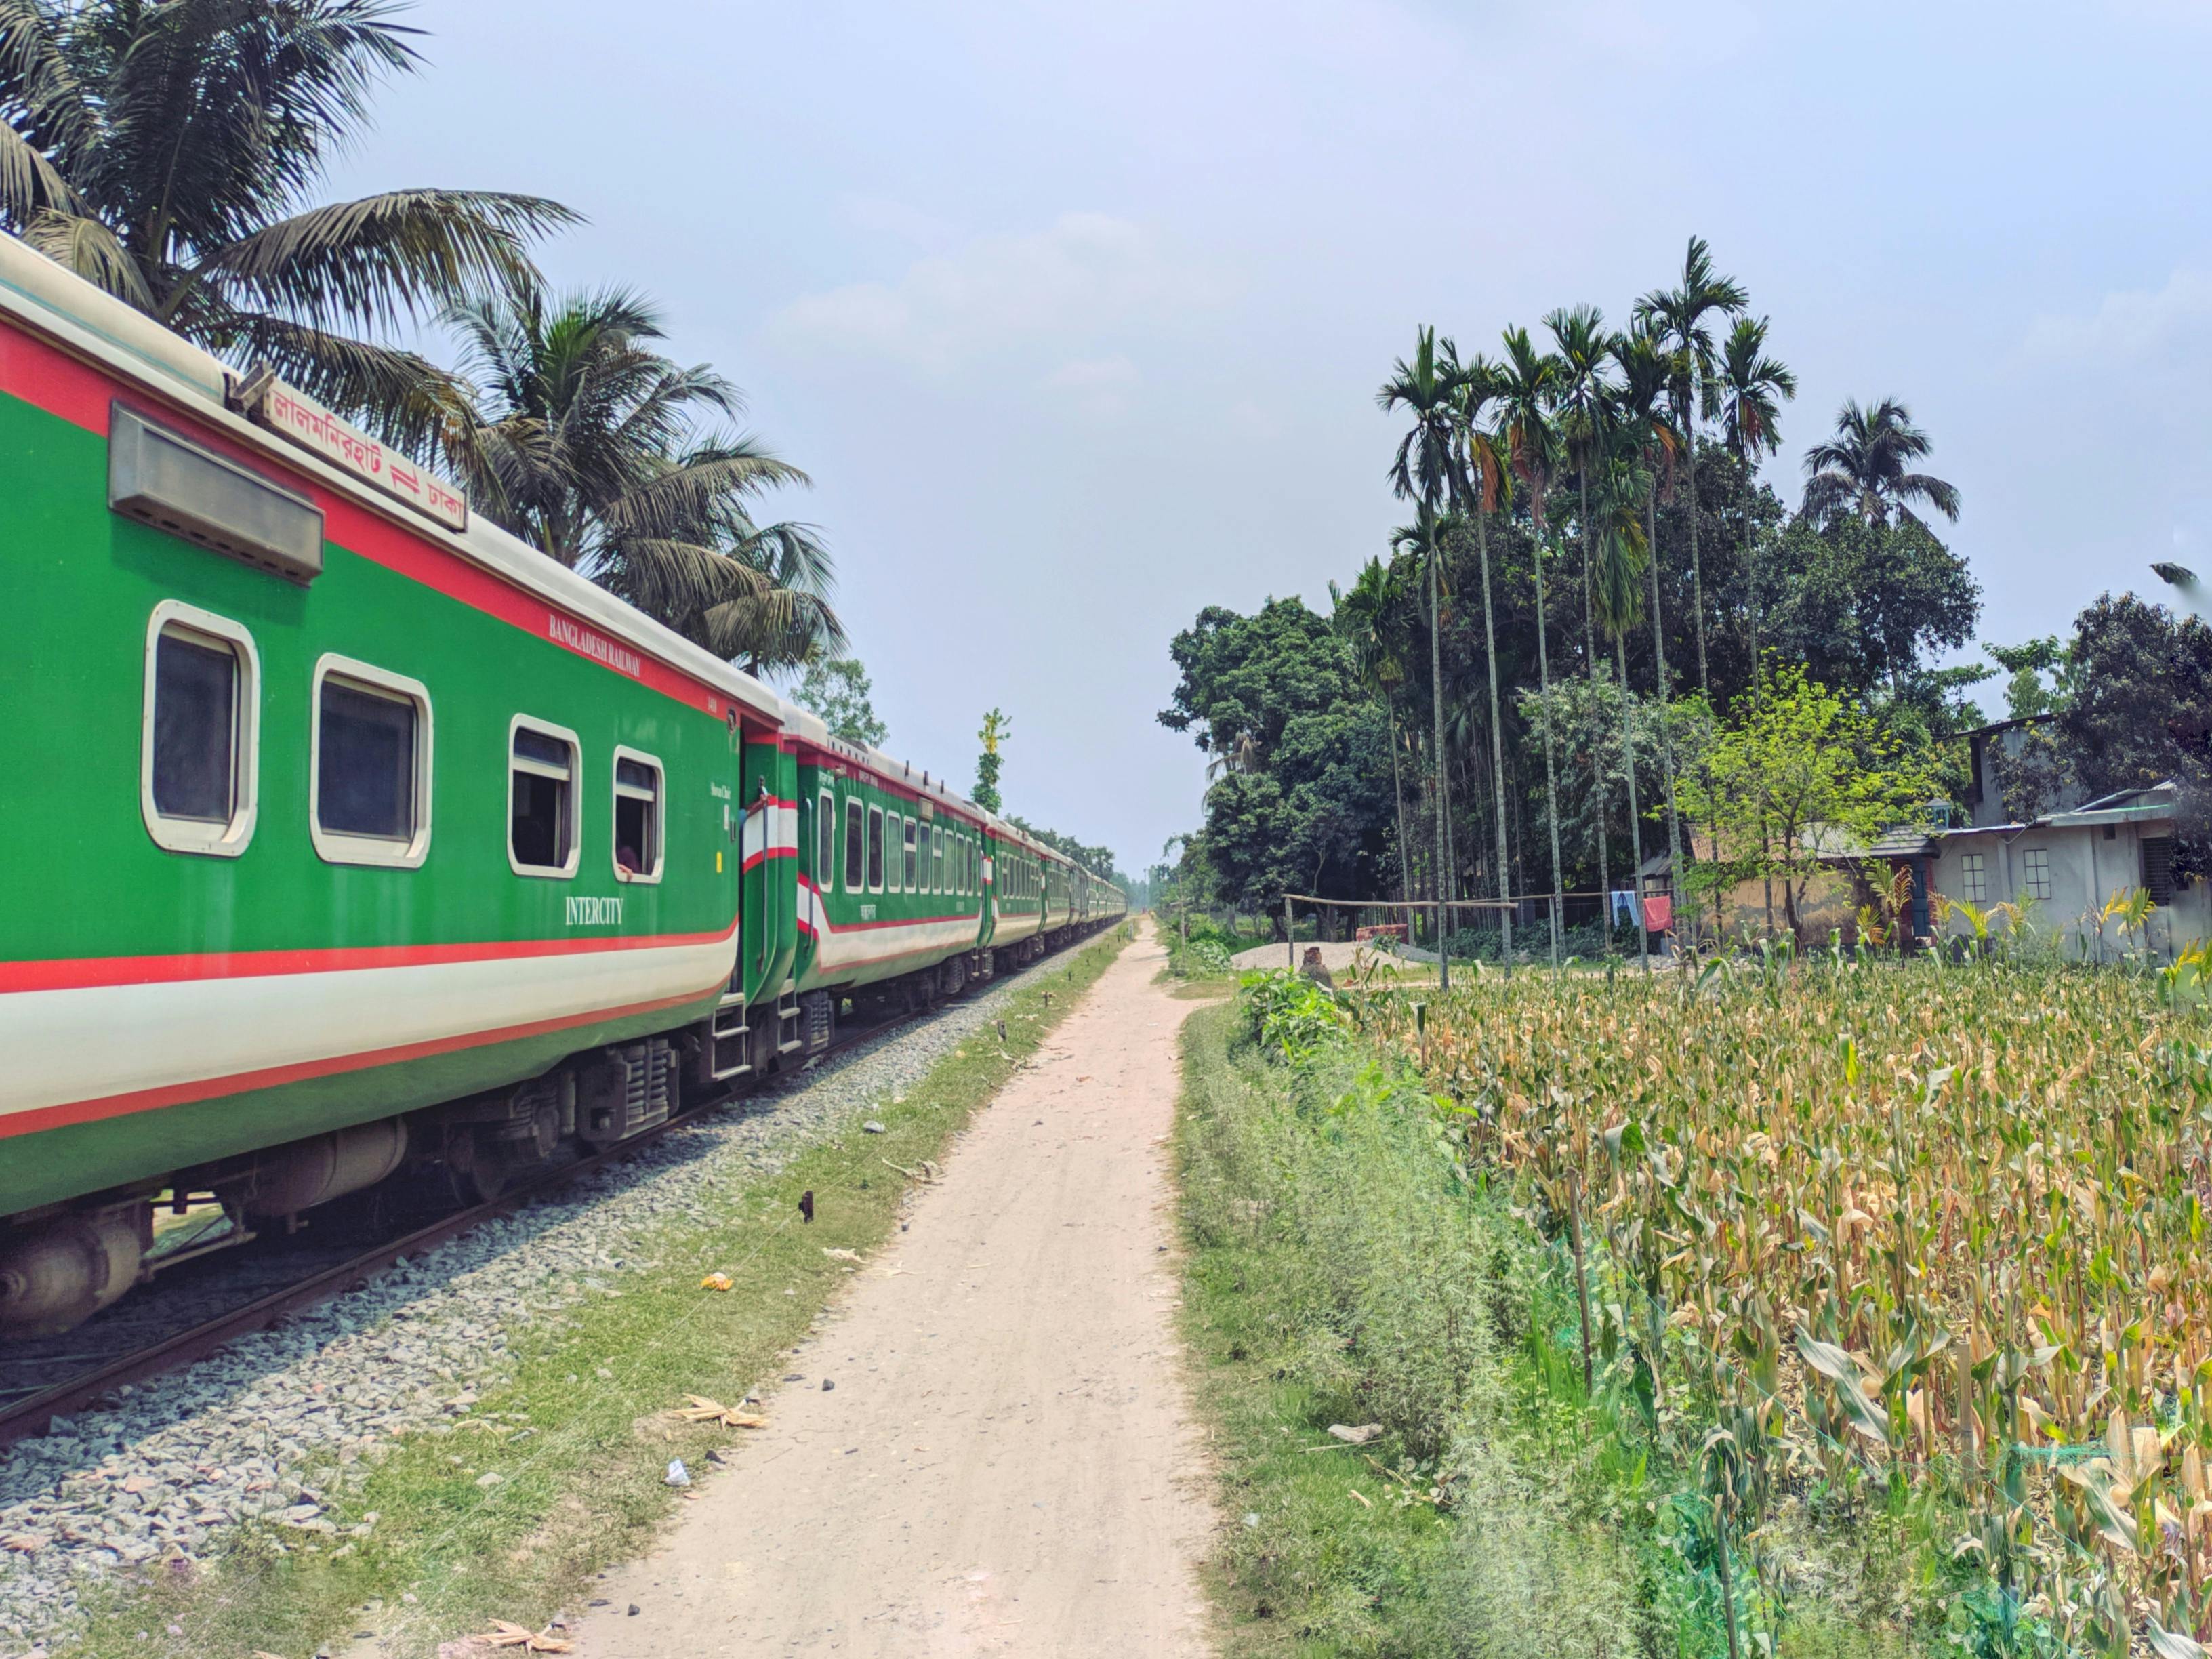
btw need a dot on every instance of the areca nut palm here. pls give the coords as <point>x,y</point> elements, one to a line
<point>1488,483</point>
<point>1618,596</point>
<point>606,456</point>
<point>1422,472</point>
<point>169,153</point>
<point>1526,389</point>
<point>1863,468</point>
<point>1585,416</point>
<point>1678,315</point>
<point>1645,374</point>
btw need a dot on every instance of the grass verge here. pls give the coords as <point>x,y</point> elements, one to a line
<point>1343,1269</point>
<point>507,1510</point>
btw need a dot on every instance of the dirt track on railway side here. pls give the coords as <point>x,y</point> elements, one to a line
<point>1006,1462</point>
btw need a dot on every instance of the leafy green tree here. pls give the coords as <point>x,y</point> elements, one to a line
<point>1363,616</point>
<point>1244,678</point>
<point>2140,712</point>
<point>1863,604</point>
<point>2025,695</point>
<point>1802,772</point>
<point>608,456</point>
<point>1861,469</point>
<point>996,730</point>
<point>1617,592</point>
<point>1098,860</point>
<point>1678,316</point>
<point>837,689</point>
<point>170,154</point>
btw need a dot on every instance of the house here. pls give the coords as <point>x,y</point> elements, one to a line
<point>2063,867</point>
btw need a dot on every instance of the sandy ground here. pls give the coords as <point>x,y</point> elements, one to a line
<point>1335,958</point>
<point>1007,1462</point>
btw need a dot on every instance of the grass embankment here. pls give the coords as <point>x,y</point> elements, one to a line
<point>1348,1268</point>
<point>580,1436</point>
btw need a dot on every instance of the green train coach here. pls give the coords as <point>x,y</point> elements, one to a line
<point>358,843</point>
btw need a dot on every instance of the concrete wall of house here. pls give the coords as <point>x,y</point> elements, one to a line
<point>2081,870</point>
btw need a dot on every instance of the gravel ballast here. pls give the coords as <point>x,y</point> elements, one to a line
<point>158,1476</point>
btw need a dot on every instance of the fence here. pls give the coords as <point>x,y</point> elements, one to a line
<point>1475,930</point>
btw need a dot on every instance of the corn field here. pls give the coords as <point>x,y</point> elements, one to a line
<point>1926,1236</point>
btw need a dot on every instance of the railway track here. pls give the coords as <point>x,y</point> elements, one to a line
<point>31,1413</point>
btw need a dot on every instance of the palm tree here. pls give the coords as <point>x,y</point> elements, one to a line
<point>1645,372</point>
<point>168,152</point>
<point>1621,553</point>
<point>1678,315</point>
<point>1363,617</point>
<point>1487,485</point>
<point>590,447</point>
<point>1861,469</point>
<point>1527,388</point>
<point>1585,409</point>
<point>1422,472</point>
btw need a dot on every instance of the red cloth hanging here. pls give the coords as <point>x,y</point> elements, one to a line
<point>1658,912</point>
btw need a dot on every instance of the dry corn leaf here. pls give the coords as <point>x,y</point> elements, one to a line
<point>504,1635</point>
<point>841,1255</point>
<point>703,1410</point>
<point>29,1542</point>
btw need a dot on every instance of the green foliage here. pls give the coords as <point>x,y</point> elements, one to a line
<point>1291,1017</point>
<point>1303,799</point>
<point>604,455</point>
<point>169,155</point>
<point>837,689</point>
<point>996,729</point>
<point>1802,772</point>
<point>2140,712</point>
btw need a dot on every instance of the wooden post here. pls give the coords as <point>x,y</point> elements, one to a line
<point>1290,940</point>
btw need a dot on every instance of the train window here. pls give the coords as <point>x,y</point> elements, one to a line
<point>370,766</point>
<point>199,762</point>
<point>911,877</point>
<point>542,761</point>
<point>855,881</point>
<point>639,825</point>
<point>937,858</point>
<point>875,849</point>
<point>893,877</point>
<point>826,842</point>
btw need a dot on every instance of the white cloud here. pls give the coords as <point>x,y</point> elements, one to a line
<point>2131,326</point>
<point>1099,387</point>
<point>1086,273</point>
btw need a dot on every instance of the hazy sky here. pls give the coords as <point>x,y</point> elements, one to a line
<point>1075,312</point>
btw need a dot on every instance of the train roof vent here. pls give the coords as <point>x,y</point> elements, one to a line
<point>162,479</point>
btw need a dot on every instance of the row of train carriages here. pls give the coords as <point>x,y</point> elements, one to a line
<point>352,841</point>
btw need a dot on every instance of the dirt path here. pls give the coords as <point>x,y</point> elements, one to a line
<point>1006,1463</point>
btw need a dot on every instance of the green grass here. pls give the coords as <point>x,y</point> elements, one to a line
<point>580,1435</point>
<point>1343,1269</point>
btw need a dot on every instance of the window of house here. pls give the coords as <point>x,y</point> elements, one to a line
<point>2035,872</point>
<point>199,761</point>
<point>875,849</point>
<point>2158,868</point>
<point>855,843</point>
<point>541,797</point>
<point>370,787</point>
<point>640,823</point>
<point>1973,878</point>
<point>825,839</point>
